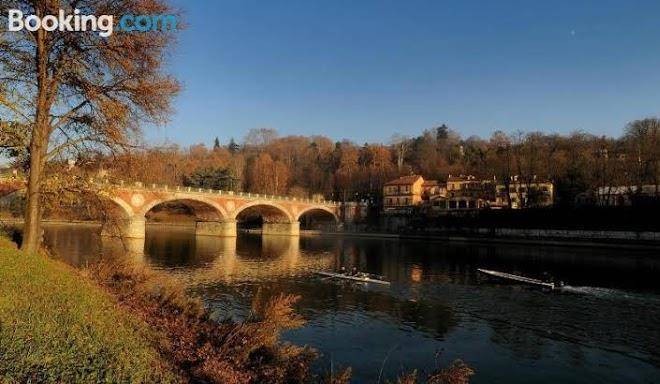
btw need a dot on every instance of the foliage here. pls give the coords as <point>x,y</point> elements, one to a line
<point>304,166</point>
<point>267,176</point>
<point>13,139</point>
<point>457,373</point>
<point>57,326</point>
<point>341,377</point>
<point>74,91</point>
<point>214,178</point>
<point>202,349</point>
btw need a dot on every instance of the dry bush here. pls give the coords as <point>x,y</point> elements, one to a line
<point>457,373</point>
<point>205,350</point>
<point>129,280</point>
<point>341,377</point>
<point>408,378</point>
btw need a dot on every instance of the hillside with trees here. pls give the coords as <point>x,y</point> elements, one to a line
<point>303,166</point>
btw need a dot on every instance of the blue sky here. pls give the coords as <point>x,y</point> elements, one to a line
<point>364,70</point>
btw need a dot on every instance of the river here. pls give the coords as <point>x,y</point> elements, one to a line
<point>603,327</point>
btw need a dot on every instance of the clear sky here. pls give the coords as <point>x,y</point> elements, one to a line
<point>364,70</point>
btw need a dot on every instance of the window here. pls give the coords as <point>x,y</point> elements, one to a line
<point>452,204</point>
<point>462,204</point>
<point>472,204</point>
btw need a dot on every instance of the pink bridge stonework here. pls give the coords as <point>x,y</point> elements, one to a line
<point>216,211</point>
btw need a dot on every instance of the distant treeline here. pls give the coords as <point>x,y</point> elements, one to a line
<point>264,162</point>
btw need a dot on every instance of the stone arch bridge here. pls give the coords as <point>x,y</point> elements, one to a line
<point>216,211</point>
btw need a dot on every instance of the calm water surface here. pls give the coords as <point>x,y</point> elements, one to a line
<point>604,327</point>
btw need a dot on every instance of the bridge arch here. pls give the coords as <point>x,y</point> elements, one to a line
<point>119,218</point>
<point>269,206</point>
<point>120,203</point>
<point>318,218</point>
<point>273,218</point>
<point>192,201</point>
<point>318,208</point>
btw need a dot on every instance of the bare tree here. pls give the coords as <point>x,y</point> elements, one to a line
<point>260,137</point>
<point>76,90</point>
<point>401,145</point>
<point>644,138</point>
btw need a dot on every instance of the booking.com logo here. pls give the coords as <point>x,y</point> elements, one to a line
<point>76,22</point>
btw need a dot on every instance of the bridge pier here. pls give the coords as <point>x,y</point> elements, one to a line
<point>283,229</point>
<point>130,228</point>
<point>225,228</point>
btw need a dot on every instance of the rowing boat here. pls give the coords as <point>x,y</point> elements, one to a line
<point>360,278</point>
<point>518,278</point>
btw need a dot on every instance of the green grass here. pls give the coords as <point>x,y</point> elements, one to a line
<point>58,326</point>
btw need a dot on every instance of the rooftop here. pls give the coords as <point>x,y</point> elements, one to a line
<point>405,180</point>
<point>430,183</point>
<point>460,178</point>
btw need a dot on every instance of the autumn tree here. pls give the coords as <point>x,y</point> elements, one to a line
<point>346,158</point>
<point>268,176</point>
<point>500,160</point>
<point>377,168</point>
<point>74,90</point>
<point>643,137</point>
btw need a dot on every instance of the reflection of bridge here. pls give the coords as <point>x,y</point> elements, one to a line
<point>206,259</point>
<point>216,211</point>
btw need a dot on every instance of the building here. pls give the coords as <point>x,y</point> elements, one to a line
<point>432,188</point>
<point>534,194</point>
<point>403,193</point>
<point>625,195</point>
<point>465,192</point>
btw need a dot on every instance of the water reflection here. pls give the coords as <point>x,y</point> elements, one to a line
<point>603,328</point>
<point>176,248</point>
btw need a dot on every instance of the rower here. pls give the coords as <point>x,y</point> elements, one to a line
<point>354,271</point>
<point>342,270</point>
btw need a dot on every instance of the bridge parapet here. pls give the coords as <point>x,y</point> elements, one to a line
<point>208,191</point>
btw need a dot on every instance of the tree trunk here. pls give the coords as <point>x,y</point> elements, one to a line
<point>38,148</point>
<point>32,227</point>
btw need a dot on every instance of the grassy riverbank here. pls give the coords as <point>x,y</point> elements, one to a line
<point>58,326</point>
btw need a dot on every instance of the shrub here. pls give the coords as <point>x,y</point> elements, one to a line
<point>202,349</point>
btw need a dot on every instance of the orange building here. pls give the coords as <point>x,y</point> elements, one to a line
<point>402,193</point>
